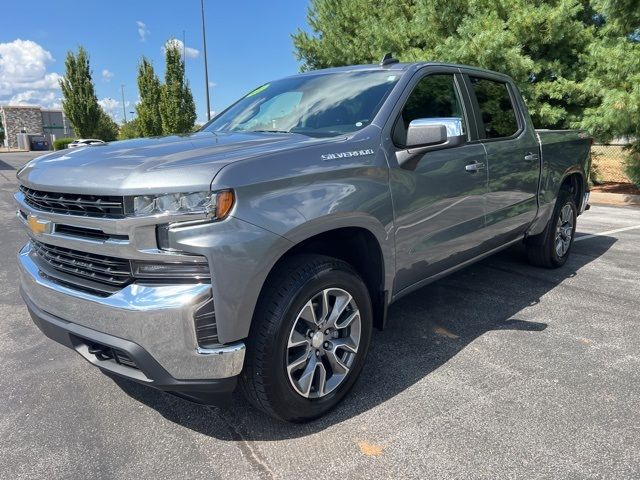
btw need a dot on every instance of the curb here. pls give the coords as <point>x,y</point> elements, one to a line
<point>602,198</point>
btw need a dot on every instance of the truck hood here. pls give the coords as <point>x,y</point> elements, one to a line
<point>152,165</point>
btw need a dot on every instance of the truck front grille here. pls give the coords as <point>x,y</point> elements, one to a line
<point>110,271</point>
<point>74,204</point>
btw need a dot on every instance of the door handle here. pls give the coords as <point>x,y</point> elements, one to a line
<point>474,167</point>
<point>531,156</point>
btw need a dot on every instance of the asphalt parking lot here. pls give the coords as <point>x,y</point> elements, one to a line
<point>501,370</point>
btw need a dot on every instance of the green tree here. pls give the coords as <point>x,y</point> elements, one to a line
<point>541,44</point>
<point>614,75</point>
<point>131,129</point>
<point>79,99</point>
<point>177,108</point>
<point>106,129</point>
<point>149,121</point>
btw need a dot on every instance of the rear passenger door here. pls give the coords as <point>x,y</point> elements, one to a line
<point>513,161</point>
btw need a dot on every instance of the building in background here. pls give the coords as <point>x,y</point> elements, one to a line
<point>17,119</point>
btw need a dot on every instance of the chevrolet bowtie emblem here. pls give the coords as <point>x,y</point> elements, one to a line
<point>38,226</point>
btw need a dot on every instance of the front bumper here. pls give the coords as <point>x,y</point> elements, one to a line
<point>153,324</point>
<point>147,370</point>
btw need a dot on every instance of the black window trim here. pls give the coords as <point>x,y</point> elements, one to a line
<point>458,82</point>
<point>481,136</point>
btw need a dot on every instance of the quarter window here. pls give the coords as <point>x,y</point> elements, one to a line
<point>498,114</point>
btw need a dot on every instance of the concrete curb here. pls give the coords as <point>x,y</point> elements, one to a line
<point>602,198</point>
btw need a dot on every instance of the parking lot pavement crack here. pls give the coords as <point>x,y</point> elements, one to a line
<point>249,451</point>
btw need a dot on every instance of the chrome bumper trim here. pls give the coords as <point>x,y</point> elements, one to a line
<point>159,318</point>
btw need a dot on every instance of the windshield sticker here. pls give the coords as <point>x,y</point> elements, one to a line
<point>354,153</point>
<point>258,90</point>
<point>391,78</point>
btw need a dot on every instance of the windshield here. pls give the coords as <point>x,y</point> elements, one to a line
<point>316,105</point>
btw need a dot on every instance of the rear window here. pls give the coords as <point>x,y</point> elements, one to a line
<point>496,108</point>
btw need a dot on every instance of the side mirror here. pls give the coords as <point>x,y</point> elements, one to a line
<point>424,132</point>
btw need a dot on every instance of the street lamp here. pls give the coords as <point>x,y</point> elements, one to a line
<point>206,70</point>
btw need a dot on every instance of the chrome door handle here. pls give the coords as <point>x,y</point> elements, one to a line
<point>474,167</point>
<point>531,156</point>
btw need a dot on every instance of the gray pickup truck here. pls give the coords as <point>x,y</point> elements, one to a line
<point>262,250</point>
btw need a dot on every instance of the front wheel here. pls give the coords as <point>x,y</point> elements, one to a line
<point>309,338</point>
<point>551,248</point>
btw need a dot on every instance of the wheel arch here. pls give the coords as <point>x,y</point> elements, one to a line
<point>353,243</point>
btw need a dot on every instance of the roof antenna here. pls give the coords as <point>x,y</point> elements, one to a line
<point>388,60</point>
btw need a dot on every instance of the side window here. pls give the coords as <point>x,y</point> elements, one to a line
<point>496,108</point>
<point>434,96</point>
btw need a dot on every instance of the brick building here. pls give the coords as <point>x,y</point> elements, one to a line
<point>15,119</point>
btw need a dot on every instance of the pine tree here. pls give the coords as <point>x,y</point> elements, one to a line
<point>177,108</point>
<point>614,76</point>
<point>541,44</point>
<point>79,99</point>
<point>149,121</point>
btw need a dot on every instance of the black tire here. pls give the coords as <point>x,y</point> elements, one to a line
<point>541,249</point>
<point>264,380</point>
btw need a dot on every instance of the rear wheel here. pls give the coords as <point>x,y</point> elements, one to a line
<point>309,338</point>
<point>551,248</point>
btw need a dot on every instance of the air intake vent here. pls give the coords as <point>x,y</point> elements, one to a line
<point>205,323</point>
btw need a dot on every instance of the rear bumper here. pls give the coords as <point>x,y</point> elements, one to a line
<point>151,324</point>
<point>130,361</point>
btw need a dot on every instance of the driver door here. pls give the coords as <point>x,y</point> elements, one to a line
<point>439,197</point>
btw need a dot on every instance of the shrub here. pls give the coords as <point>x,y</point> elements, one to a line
<point>61,143</point>
<point>131,129</point>
<point>632,163</point>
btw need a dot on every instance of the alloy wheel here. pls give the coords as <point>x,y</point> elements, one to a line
<point>323,343</point>
<point>564,230</point>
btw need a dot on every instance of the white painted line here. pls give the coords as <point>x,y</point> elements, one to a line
<point>608,232</point>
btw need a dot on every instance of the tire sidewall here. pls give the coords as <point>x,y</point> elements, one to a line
<point>286,401</point>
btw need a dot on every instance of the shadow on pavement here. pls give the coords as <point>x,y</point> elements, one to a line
<point>425,330</point>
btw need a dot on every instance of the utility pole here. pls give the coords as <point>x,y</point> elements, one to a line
<point>124,111</point>
<point>184,56</point>
<point>206,70</point>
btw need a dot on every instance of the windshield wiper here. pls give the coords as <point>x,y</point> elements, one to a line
<point>270,131</point>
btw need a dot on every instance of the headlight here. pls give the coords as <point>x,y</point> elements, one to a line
<point>216,204</point>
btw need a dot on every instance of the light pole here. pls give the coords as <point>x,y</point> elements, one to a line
<point>124,112</point>
<point>206,70</point>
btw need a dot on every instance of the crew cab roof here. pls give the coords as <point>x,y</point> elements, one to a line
<point>402,67</point>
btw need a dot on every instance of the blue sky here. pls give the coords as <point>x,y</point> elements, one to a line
<point>248,43</point>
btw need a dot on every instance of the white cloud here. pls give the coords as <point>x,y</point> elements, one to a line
<point>143,31</point>
<point>188,51</point>
<point>23,75</point>
<point>107,75</point>
<point>113,107</point>
<point>212,84</point>
<point>37,98</point>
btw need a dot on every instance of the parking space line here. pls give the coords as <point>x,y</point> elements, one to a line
<point>608,232</point>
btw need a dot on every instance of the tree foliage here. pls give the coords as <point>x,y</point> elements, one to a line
<point>79,99</point>
<point>106,129</point>
<point>149,121</point>
<point>544,45</point>
<point>131,129</point>
<point>177,108</point>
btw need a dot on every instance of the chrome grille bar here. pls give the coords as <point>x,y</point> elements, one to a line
<point>73,204</point>
<point>98,268</point>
